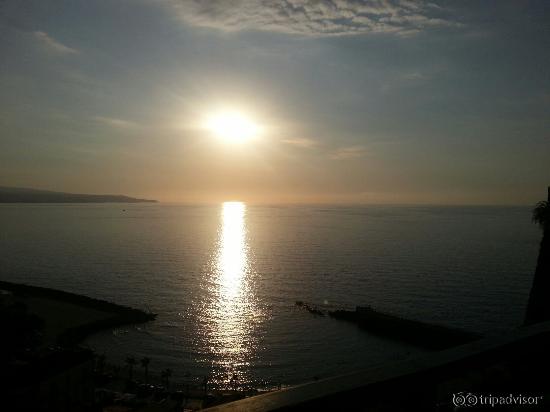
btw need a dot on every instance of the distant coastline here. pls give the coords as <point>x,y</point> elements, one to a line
<point>26,195</point>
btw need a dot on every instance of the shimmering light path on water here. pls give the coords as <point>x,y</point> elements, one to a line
<point>231,297</point>
<point>224,279</point>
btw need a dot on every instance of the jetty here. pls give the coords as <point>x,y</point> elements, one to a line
<point>69,317</point>
<point>427,335</point>
<point>311,309</point>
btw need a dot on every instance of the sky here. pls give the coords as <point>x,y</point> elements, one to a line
<point>385,101</point>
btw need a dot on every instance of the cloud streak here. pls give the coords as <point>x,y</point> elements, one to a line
<point>349,152</point>
<point>114,122</point>
<point>300,142</point>
<point>51,44</point>
<point>316,18</point>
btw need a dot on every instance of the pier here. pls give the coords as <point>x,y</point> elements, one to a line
<point>427,335</point>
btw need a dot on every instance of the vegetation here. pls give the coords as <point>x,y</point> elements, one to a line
<point>145,364</point>
<point>165,375</point>
<point>538,307</point>
<point>131,362</point>
<point>541,214</point>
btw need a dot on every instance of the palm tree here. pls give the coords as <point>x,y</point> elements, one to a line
<point>100,363</point>
<point>145,364</point>
<point>538,308</point>
<point>131,361</point>
<point>205,385</point>
<point>541,213</point>
<point>165,375</point>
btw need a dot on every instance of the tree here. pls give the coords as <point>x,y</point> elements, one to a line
<point>538,307</point>
<point>145,364</point>
<point>205,385</point>
<point>131,361</point>
<point>541,213</point>
<point>165,375</point>
<point>100,363</point>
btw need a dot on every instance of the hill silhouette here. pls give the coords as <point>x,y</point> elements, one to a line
<point>26,195</point>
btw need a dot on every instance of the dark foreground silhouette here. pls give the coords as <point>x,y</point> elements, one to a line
<point>41,366</point>
<point>538,308</point>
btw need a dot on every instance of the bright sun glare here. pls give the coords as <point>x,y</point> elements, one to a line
<point>232,126</point>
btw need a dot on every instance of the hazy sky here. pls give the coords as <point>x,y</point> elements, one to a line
<point>358,101</point>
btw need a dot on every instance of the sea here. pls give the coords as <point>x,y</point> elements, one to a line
<point>224,279</point>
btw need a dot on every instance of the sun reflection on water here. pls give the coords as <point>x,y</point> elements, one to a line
<point>232,258</point>
<point>232,338</point>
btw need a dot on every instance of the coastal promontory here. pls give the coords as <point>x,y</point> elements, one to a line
<point>26,195</point>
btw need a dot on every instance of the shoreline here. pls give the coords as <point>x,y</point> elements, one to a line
<point>114,314</point>
<point>68,319</point>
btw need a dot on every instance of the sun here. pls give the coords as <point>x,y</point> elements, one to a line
<point>232,126</point>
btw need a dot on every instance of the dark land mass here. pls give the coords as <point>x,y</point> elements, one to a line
<point>430,336</point>
<point>25,195</point>
<point>58,304</point>
<point>42,368</point>
<point>426,335</point>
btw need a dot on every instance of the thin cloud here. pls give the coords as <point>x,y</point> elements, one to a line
<point>316,18</point>
<point>349,152</point>
<point>300,142</point>
<point>51,44</point>
<point>414,76</point>
<point>114,122</point>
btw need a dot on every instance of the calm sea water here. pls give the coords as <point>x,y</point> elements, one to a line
<point>224,279</point>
